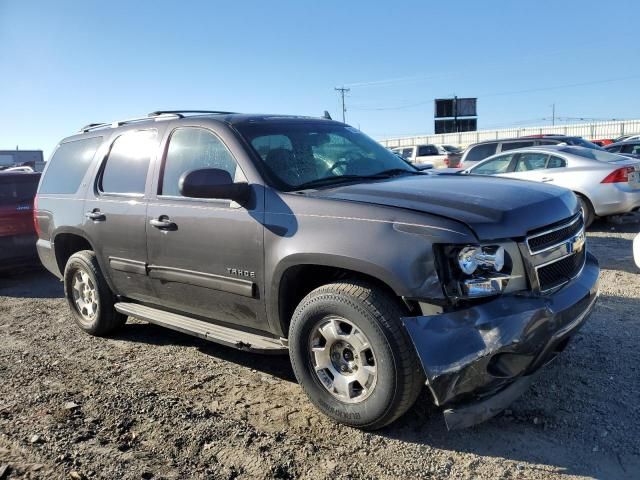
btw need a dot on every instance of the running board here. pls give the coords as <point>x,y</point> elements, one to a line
<point>208,331</point>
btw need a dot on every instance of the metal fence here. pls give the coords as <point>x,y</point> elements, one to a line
<point>590,131</point>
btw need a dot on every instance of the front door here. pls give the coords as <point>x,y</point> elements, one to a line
<point>205,256</point>
<point>115,212</point>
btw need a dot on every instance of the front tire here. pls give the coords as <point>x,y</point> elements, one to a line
<point>352,356</point>
<point>89,296</point>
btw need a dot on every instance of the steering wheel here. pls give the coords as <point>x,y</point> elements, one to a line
<point>338,163</point>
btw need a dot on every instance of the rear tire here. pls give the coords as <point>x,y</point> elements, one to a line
<point>90,298</point>
<point>352,356</point>
<point>588,214</point>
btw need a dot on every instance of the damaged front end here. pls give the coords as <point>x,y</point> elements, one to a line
<point>479,359</point>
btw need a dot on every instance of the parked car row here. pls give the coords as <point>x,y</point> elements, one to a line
<point>450,156</point>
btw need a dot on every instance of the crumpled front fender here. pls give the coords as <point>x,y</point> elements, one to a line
<point>478,350</point>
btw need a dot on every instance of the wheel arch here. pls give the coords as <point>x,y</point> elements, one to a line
<point>587,199</point>
<point>68,241</point>
<point>298,276</point>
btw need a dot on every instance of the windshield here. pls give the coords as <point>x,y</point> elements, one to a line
<point>297,154</point>
<point>599,155</point>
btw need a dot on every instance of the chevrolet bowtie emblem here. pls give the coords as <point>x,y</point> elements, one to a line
<point>576,243</point>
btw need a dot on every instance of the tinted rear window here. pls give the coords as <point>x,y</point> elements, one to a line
<point>68,166</point>
<point>425,150</point>
<point>513,145</point>
<point>18,189</point>
<point>480,152</point>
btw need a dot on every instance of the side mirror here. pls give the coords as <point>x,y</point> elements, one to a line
<point>212,183</point>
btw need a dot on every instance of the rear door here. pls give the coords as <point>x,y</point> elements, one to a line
<point>208,260</point>
<point>529,166</point>
<point>115,211</point>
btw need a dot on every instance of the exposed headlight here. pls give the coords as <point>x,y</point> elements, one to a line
<point>472,271</point>
<point>489,258</point>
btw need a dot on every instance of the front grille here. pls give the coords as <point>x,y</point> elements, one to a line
<point>561,271</point>
<point>549,238</point>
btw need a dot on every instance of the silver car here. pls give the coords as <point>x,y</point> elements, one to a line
<point>605,183</point>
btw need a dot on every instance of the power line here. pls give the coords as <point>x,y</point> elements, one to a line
<point>342,91</point>
<point>514,92</point>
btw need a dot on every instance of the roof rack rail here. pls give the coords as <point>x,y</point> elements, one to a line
<point>119,123</point>
<point>181,113</point>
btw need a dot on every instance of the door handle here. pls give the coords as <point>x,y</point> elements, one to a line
<point>96,216</point>
<point>163,223</point>
<point>546,179</point>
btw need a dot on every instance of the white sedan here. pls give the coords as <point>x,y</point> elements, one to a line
<point>605,183</point>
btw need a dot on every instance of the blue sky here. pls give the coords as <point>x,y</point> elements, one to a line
<point>68,63</point>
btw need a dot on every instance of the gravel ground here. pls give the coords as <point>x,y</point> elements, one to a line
<point>152,403</point>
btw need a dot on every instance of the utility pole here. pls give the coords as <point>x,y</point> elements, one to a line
<point>455,113</point>
<point>342,91</point>
<point>553,114</point>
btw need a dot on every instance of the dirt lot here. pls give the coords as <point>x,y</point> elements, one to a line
<point>151,403</point>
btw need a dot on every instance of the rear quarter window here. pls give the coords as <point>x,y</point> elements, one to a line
<point>480,152</point>
<point>68,166</point>
<point>514,145</point>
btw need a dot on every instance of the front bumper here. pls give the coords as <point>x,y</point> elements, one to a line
<point>480,359</point>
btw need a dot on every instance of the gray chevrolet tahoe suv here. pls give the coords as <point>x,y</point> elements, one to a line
<point>281,233</point>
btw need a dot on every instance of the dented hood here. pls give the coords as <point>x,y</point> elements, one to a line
<point>491,206</point>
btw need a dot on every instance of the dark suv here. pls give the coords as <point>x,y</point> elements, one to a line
<point>281,233</point>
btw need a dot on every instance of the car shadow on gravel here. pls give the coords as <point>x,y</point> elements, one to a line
<point>602,247</point>
<point>148,333</point>
<point>31,283</point>
<point>603,226</point>
<point>520,437</point>
<point>586,392</point>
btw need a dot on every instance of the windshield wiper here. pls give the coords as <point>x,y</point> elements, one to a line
<point>318,182</point>
<point>347,178</point>
<point>392,172</point>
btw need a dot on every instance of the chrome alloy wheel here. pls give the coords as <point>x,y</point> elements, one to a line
<point>343,359</point>
<point>85,295</point>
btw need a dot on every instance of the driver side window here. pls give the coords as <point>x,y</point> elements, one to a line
<point>192,148</point>
<point>495,166</point>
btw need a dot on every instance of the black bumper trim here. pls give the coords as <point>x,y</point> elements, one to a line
<point>471,414</point>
